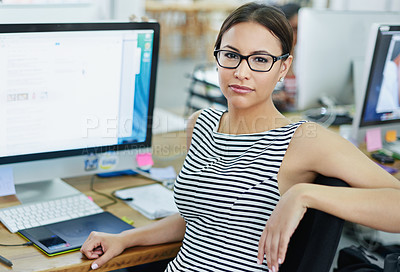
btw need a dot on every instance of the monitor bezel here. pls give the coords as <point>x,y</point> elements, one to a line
<point>379,28</point>
<point>92,26</point>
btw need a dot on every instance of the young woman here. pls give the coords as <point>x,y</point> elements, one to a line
<point>248,176</point>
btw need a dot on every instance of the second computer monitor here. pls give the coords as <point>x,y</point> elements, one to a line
<point>329,58</point>
<point>379,104</point>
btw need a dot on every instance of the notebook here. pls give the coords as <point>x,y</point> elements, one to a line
<point>66,236</point>
<point>153,201</point>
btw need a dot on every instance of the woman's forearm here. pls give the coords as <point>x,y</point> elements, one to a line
<point>368,207</point>
<point>169,229</point>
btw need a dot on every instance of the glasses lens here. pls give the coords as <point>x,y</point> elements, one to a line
<point>261,62</point>
<point>228,59</point>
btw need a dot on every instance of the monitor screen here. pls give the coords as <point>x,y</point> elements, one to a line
<point>330,53</point>
<point>379,105</point>
<point>75,98</point>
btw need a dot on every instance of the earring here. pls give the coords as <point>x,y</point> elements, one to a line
<point>281,79</point>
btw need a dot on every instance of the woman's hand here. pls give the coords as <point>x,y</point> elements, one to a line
<point>280,227</point>
<point>103,247</point>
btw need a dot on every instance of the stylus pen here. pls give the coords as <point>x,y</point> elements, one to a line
<point>5,261</point>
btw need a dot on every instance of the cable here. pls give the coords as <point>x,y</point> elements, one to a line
<point>114,201</point>
<point>24,244</point>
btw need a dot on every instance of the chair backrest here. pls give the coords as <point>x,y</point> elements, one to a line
<point>313,245</point>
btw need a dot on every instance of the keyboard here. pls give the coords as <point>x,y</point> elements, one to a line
<point>30,215</point>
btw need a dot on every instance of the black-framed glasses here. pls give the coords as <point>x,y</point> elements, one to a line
<point>257,62</point>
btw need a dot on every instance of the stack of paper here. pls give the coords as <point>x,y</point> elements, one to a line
<point>153,201</point>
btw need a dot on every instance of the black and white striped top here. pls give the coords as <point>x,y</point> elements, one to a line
<point>226,191</point>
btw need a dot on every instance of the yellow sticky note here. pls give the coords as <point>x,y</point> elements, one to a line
<point>391,136</point>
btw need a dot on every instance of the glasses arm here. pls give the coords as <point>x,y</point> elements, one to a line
<point>283,56</point>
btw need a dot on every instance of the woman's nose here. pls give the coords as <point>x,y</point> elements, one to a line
<point>243,70</point>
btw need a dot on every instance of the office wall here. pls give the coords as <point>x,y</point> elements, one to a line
<point>373,5</point>
<point>48,13</point>
<point>123,9</point>
<point>95,10</point>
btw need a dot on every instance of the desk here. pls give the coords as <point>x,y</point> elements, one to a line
<point>169,149</point>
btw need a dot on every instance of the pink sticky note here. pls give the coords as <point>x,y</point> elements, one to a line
<point>144,159</point>
<point>373,139</point>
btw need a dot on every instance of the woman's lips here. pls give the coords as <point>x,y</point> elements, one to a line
<point>241,89</point>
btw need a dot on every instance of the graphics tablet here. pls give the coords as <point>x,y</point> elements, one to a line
<point>66,236</point>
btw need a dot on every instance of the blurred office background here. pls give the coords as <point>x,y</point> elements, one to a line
<point>188,29</point>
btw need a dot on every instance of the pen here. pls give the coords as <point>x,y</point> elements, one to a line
<point>390,153</point>
<point>5,261</point>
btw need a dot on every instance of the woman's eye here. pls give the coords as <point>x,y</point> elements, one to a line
<point>231,56</point>
<point>261,59</point>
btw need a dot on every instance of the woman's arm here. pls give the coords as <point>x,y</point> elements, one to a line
<point>373,199</point>
<point>376,208</point>
<point>373,195</point>
<point>105,246</point>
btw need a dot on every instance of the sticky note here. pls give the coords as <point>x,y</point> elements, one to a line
<point>391,136</point>
<point>7,186</point>
<point>144,159</point>
<point>373,139</point>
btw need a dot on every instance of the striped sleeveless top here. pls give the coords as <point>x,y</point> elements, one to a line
<point>226,191</point>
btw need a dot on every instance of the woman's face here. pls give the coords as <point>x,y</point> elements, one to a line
<point>243,87</point>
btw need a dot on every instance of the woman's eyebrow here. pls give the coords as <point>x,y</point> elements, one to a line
<point>261,52</point>
<point>254,52</point>
<point>230,47</point>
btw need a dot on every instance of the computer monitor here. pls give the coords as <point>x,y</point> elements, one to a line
<point>75,98</point>
<point>330,53</point>
<point>379,104</point>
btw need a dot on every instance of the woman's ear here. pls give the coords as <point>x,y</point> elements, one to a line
<point>285,66</point>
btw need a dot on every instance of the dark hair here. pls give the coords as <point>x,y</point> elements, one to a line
<point>290,9</point>
<point>268,16</point>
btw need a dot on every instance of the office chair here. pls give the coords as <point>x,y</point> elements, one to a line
<point>313,245</point>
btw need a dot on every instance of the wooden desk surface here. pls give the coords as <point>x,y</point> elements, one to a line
<point>169,149</point>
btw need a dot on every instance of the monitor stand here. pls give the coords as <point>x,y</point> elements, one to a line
<point>44,190</point>
<point>358,70</point>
